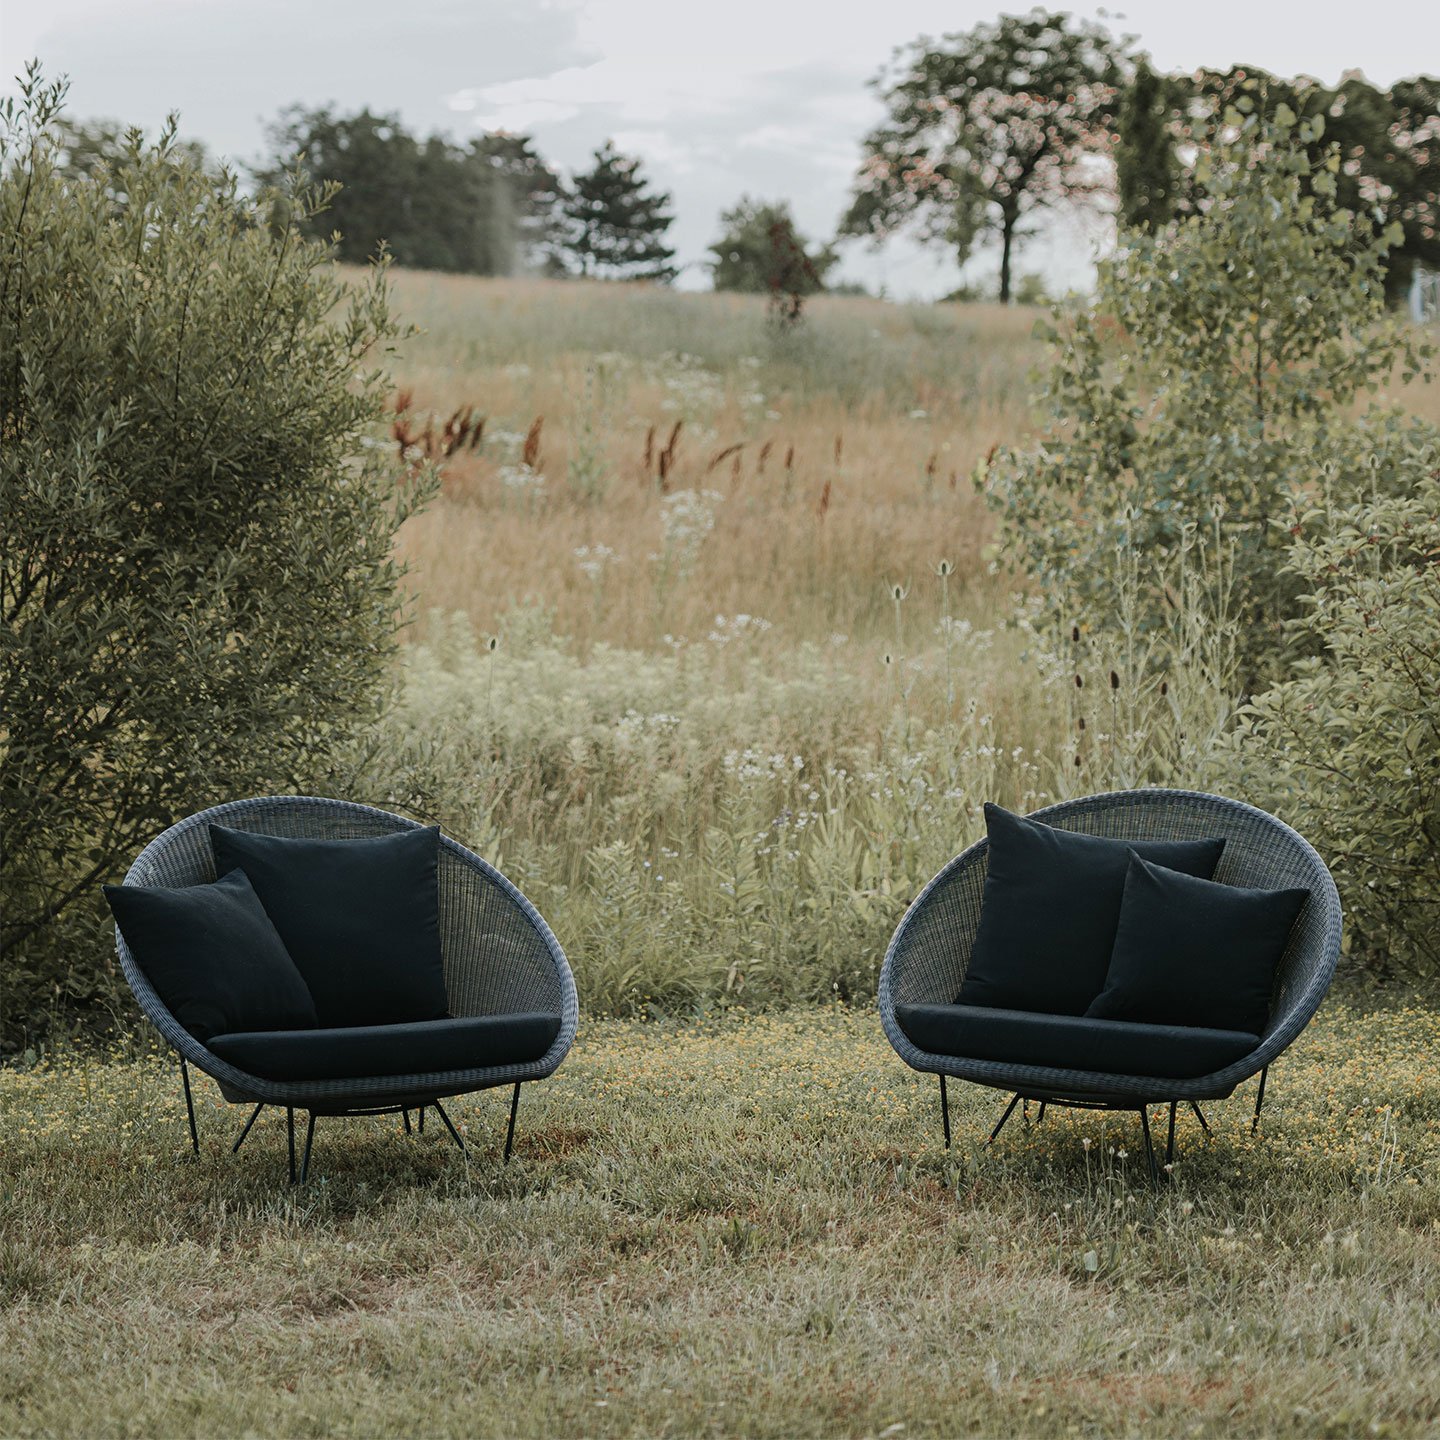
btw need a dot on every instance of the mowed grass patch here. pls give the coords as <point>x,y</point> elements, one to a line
<point>748,1227</point>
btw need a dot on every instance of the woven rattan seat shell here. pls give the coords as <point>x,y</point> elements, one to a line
<point>499,956</point>
<point>928,955</point>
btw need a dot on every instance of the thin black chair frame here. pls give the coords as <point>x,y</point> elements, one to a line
<point>300,1177</point>
<point>1024,1097</point>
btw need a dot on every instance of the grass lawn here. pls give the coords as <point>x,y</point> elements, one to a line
<point>746,1228</point>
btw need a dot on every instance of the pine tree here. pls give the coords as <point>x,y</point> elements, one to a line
<point>617,223</point>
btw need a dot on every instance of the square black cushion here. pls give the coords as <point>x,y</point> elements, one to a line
<point>1072,1042</point>
<point>1050,908</point>
<point>1191,952</point>
<point>356,1052</point>
<point>360,918</point>
<point>213,956</point>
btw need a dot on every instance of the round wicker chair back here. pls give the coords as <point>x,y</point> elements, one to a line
<point>927,958</point>
<point>499,956</point>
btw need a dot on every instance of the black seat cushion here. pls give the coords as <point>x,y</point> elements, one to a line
<point>1072,1042</point>
<point>213,956</point>
<point>1191,952</point>
<point>356,1052</point>
<point>360,918</point>
<point>1050,908</point>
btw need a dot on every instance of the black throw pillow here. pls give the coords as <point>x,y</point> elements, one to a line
<point>1191,952</point>
<point>213,956</point>
<point>360,918</point>
<point>1049,911</point>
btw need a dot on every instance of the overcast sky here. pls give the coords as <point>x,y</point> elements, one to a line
<point>751,96</point>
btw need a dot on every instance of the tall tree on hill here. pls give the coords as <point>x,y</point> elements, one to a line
<point>531,195</point>
<point>485,209</point>
<point>986,127</point>
<point>374,160</point>
<point>761,251</point>
<point>616,223</point>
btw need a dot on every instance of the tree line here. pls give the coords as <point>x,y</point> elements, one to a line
<point>984,130</point>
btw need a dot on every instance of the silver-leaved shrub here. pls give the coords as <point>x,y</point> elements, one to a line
<point>197,587</point>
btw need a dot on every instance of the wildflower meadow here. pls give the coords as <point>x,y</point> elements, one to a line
<point>710,647</point>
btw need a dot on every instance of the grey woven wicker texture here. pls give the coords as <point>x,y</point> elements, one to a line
<point>928,956</point>
<point>499,955</point>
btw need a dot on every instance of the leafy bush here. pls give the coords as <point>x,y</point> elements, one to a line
<point>197,588</point>
<point>1210,381</point>
<point>1350,745</point>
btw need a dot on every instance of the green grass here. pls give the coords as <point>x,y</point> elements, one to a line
<point>748,1228</point>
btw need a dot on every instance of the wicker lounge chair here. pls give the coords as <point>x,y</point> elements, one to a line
<point>499,958</point>
<point>928,956</point>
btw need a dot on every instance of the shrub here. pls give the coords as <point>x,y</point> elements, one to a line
<point>197,587</point>
<point>1211,380</point>
<point>1351,743</point>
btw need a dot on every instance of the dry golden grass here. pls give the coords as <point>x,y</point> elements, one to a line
<point>837,471</point>
<point>841,455</point>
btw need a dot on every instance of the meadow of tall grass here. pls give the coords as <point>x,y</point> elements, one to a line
<point>707,647</point>
<point>721,698</point>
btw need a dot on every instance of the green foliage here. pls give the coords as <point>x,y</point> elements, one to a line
<point>616,224</point>
<point>197,590</point>
<point>760,251</point>
<point>485,209</point>
<point>1351,742</point>
<point>88,147</point>
<point>1387,139</point>
<point>1212,378</point>
<point>986,128</point>
<point>1146,165</point>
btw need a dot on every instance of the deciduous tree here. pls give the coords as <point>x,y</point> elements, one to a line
<point>761,251</point>
<point>483,209</point>
<point>987,127</point>
<point>1211,382</point>
<point>1388,142</point>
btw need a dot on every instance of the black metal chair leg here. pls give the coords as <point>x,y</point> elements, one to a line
<point>406,1115</point>
<point>189,1105</point>
<point>254,1116</point>
<point>1149,1148</point>
<point>290,1136</point>
<point>421,1121</point>
<point>515,1105</point>
<point>1000,1125</point>
<point>945,1112</point>
<point>1259,1101</point>
<point>1200,1116</point>
<point>1170,1139</point>
<point>454,1133</point>
<point>309,1141</point>
<point>1041,1115</point>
